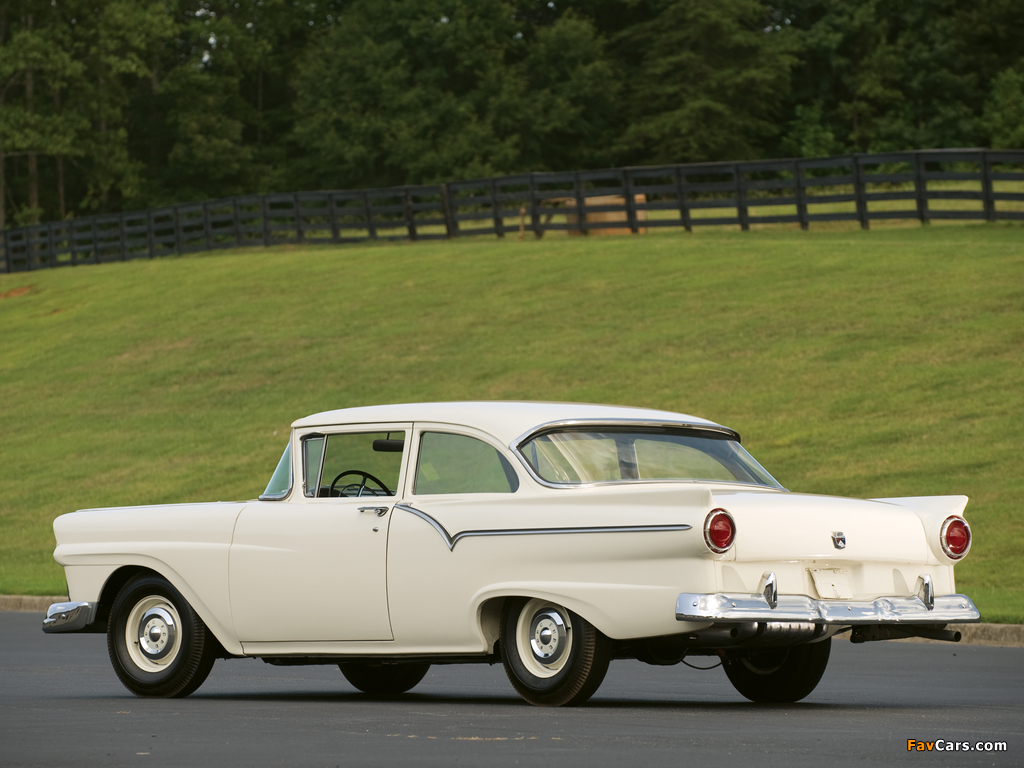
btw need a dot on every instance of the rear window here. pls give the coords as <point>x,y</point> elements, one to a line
<point>594,455</point>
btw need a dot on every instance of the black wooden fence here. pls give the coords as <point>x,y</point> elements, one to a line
<point>923,185</point>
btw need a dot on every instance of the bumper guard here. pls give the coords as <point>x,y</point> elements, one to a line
<point>69,617</point>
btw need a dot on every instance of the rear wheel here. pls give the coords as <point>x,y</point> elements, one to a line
<point>552,656</point>
<point>158,646</point>
<point>778,675</point>
<point>378,679</point>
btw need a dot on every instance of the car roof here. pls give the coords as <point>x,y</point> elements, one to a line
<point>504,419</point>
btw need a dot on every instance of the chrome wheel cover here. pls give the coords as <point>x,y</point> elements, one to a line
<point>543,637</point>
<point>153,634</point>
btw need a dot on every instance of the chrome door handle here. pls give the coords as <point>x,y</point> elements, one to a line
<point>379,511</point>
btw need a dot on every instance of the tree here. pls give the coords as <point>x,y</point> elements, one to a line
<point>112,38</point>
<point>711,79</point>
<point>401,93</point>
<point>35,63</point>
<point>1003,118</point>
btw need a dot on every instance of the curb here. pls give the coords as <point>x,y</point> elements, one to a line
<point>30,603</point>
<point>1007,635</point>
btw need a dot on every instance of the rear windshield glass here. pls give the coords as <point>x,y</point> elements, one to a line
<point>575,456</point>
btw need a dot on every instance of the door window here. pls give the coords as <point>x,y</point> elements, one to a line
<point>359,464</point>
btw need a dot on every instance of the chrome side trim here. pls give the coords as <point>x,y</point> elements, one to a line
<point>708,426</point>
<point>451,540</point>
<point>723,607</point>
<point>69,617</point>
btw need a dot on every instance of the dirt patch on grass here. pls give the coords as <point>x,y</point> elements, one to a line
<point>14,293</point>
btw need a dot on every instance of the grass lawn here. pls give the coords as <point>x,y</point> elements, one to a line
<point>881,363</point>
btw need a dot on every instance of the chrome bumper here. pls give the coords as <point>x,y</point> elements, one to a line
<point>69,617</point>
<point>730,608</point>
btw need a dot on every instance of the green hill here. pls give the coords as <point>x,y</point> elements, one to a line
<point>881,363</point>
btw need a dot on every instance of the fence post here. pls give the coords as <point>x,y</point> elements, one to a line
<point>801,202</point>
<point>627,188</point>
<point>207,227</point>
<point>496,217</point>
<point>297,215</point>
<point>179,245</point>
<point>986,187</point>
<point>921,188</point>
<point>410,221</point>
<point>265,219</point>
<point>332,216</point>
<point>122,238</point>
<point>368,208</point>
<point>684,207</point>
<point>534,213</point>
<point>451,222</point>
<point>51,247</point>
<point>5,265</point>
<point>96,258</point>
<point>581,210</point>
<point>150,234</point>
<point>741,198</point>
<point>236,213</point>
<point>859,193</point>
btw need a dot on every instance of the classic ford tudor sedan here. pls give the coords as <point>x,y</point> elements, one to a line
<point>553,537</point>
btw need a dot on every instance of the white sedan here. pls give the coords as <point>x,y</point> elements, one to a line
<point>554,537</point>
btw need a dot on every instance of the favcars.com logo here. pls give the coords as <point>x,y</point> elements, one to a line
<point>913,745</point>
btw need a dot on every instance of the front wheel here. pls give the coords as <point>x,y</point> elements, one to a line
<point>158,646</point>
<point>778,675</point>
<point>552,656</point>
<point>383,679</point>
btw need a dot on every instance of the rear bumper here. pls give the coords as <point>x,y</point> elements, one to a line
<point>735,608</point>
<point>69,617</point>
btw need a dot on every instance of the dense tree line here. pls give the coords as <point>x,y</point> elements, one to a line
<point>108,105</point>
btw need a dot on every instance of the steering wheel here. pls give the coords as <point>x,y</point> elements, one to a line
<point>346,490</point>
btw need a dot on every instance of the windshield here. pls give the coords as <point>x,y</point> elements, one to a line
<point>600,455</point>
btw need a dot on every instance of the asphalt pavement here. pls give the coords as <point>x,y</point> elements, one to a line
<point>61,705</point>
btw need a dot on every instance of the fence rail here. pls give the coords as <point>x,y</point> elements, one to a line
<point>923,185</point>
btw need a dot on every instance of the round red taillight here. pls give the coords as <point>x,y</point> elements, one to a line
<point>719,530</point>
<point>955,537</point>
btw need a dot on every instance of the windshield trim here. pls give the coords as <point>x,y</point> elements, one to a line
<point>553,426</point>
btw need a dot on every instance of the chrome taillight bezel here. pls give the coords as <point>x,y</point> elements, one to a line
<point>707,531</point>
<point>942,537</point>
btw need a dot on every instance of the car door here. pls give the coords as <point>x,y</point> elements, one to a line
<point>312,567</point>
<point>460,483</point>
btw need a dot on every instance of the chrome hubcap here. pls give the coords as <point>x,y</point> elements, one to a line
<point>157,633</point>
<point>153,634</point>
<point>543,638</point>
<point>547,636</point>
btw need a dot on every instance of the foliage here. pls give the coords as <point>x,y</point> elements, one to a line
<point>108,105</point>
<point>438,90</point>
<point>1004,112</point>
<point>709,84</point>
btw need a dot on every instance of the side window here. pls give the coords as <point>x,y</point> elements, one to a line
<point>281,481</point>
<point>353,464</point>
<point>459,464</point>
